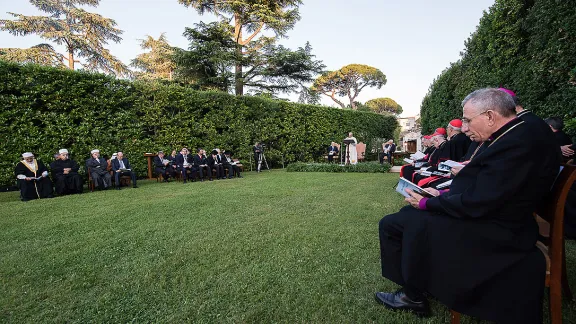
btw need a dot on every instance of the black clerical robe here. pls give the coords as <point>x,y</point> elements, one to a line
<point>459,145</point>
<point>33,189</point>
<point>66,183</point>
<point>473,248</point>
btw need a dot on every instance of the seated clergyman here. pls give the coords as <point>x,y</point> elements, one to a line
<point>65,173</point>
<point>473,247</point>
<point>121,167</point>
<point>32,177</point>
<point>233,168</point>
<point>97,167</point>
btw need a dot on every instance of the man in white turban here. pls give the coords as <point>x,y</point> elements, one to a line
<point>33,180</point>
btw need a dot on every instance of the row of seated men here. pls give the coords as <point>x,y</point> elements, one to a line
<point>472,246</point>
<point>34,182</point>
<point>198,165</point>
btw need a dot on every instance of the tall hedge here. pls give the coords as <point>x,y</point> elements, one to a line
<point>44,109</point>
<point>526,46</point>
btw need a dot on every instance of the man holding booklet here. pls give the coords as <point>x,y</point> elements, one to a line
<point>473,247</point>
<point>121,166</point>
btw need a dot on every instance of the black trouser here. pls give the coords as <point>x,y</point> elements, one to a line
<point>130,173</point>
<point>202,170</point>
<point>330,158</point>
<point>219,171</point>
<point>68,184</point>
<point>165,172</point>
<point>184,172</point>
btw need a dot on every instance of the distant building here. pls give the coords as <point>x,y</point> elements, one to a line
<point>409,134</point>
<point>407,123</point>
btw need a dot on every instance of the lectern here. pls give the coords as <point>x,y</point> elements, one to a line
<point>347,142</point>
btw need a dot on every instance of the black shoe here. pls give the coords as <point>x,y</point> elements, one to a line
<point>229,177</point>
<point>165,180</point>
<point>134,186</point>
<point>201,180</point>
<point>210,179</point>
<point>399,301</point>
<point>240,177</point>
<point>117,188</point>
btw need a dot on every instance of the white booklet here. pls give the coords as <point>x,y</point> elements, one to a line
<point>417,156</point>
<point>447,165</point>
<point>408,161</point>
<point>406,184</point>
<point>444,185</point>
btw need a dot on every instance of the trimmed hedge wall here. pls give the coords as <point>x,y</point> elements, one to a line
<point>526,46</point>
<point>45,109</point>
<point>366,167</point>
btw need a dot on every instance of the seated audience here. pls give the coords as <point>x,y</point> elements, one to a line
<point>473,247</point>
<point>65,173</point>
<point>32,178</point>
<point>163,166</point>
<point>121,167</point>
<point>98,169</point>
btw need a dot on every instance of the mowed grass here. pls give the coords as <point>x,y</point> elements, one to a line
<point>272,247</point>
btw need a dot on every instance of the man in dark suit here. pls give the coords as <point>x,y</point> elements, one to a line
<point>215,163</point>
<point>97,167</point>
<point>201,165</point>
<point>473,247</point>
<point>121,167</point>
<point>184,164</point>
<point>163,166</point>
<point>230,165</point>
<point>332,152</point>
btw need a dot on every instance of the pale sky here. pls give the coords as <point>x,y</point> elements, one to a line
<point>410,41</point>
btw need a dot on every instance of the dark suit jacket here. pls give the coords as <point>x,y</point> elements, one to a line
<point>333,148</point>
<point>116,164</point>
<point>158,162</point>
<point>180,160</point>
<point>200,160</point>
<point>213,160</point>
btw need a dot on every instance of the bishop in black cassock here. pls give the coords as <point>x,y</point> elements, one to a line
<point>473,247</point>
<point>33,180</point>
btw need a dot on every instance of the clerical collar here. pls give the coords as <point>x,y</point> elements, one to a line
<point>504,129</point>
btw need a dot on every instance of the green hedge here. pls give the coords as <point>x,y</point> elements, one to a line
<point>44,109</point>
<point>526,46</point>
<point>365,167</point>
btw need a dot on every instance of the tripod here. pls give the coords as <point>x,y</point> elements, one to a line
<point>262,158</point>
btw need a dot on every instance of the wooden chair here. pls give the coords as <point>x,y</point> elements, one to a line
<point>238,164</point>
<point>550,214</point>
<point>361,151</point>
<point>91,185</point>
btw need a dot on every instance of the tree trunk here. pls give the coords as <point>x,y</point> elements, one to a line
<point>238,78</point>
<point>71,59</point>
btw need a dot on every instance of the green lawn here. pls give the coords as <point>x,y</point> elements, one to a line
<point>272,247</point>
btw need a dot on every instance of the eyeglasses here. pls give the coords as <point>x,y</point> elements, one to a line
<point>468,120</point>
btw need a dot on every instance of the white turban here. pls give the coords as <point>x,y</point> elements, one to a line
<point>63,151</point>
<point>27,154</point>
<point>94,151</point>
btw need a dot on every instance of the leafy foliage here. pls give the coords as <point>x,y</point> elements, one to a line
<point>366,167</point>
<point>384,105</point>
<point>82,33</point>
<point>251,18</point>
<point>46,109</point>
<point>349,81</point>
<point>212,56</point>
<point>42,54</point>
<point>156,64</point>
<point>526,46</point>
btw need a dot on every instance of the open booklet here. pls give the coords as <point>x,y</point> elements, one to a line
<point>124,170</point>
<point>447,165</point>
<point>417,156</point>
<point>406,184</point>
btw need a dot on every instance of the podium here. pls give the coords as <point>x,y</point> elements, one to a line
<point>150,156</point>
<point>347,142</point>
